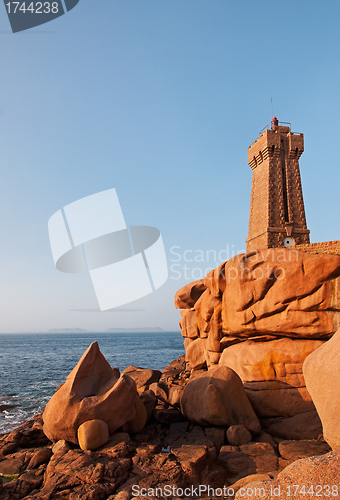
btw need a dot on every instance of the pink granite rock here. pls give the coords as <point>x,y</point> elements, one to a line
<point>217,397</point>
<point>322,373</point>
<point>92,391</point>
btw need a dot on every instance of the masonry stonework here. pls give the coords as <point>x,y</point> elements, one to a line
<point>330,247</point>
<point>277,214</point>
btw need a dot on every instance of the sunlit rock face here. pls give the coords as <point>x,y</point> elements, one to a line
<point>261,296</point>
<point>261,314</point>
<point>322,371</point>
<point>317,473</point>
<point>281,291</point>
<point>93,390</point>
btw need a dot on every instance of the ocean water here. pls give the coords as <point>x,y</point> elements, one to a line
<point>33,365</point>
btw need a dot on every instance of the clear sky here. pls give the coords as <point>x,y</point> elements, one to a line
<point>160,100</point>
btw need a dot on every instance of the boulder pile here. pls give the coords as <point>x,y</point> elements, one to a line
<point>172,450</point>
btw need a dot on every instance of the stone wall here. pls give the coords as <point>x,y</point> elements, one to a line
<point>328,247</point>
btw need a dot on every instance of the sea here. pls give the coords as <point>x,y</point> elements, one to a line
<point>33,365</point>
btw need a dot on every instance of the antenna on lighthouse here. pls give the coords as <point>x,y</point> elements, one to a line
<point>271,102</point>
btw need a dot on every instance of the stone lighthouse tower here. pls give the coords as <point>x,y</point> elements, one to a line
<point>277,213</point>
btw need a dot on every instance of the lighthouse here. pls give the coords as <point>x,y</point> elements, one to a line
<point>277,214</point>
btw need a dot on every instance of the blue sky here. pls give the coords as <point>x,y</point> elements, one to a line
<point>160,100</point>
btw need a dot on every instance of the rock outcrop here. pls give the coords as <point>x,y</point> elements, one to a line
<point>272,374</point>
<point>93,391</point>
<point>187,296</point>
<point>279,291</point>
<point>322,374</point>
<point>263,295</point>
<point>262,314</point>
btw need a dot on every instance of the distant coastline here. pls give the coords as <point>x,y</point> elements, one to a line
<point>67,330</point>
<point>56,331</point>
<point>110,330</point>
<point>135,330</point>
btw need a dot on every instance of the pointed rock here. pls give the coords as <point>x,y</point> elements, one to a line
<point>92,391</point>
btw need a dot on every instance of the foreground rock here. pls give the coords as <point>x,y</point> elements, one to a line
<point>251,458</point>
<point>294,450</point>
<point>93,434</point>
<point>180,454</point>
<point>90,392</point>
<point>142,376</point>
<point>165,452</point>
<point>217,397</point>
<point>322,373</point>
<point>308,478</point>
